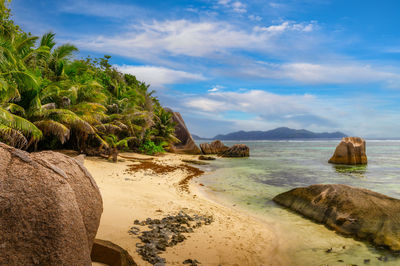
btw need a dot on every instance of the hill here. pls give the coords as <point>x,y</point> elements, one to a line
<point>281,133</point>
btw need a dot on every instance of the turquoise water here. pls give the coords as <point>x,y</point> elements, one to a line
<point>277,166</point>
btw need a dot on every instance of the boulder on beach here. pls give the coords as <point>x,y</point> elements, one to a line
<point>215,147</point>
<point>108,253</point>
<point>351,211</point>
<point>351,150</point>
<point>50,208</point>
<point>237,150</point>
<point>186,144</point>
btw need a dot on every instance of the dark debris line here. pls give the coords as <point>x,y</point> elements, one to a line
<point>166,232</point>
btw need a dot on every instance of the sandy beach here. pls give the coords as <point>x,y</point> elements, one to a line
<point>233,238</point>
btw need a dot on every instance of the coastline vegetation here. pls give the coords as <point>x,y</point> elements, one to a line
<point>51,100</point>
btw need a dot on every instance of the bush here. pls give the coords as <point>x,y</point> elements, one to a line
<point>150,148</point>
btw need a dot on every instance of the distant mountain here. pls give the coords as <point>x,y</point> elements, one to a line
<point>195,137</point>
<point>281,133</point>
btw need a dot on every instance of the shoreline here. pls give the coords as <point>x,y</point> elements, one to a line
<point>233,238</point>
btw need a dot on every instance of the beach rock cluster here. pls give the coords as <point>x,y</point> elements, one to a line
<point>186,144</point>
<point>217,147</point>
<point>237,150</point>
<point>351,150</point>
<point>166,232</point>
<point>108,253</point>
<point>50,208</point>
<point>351,211</point>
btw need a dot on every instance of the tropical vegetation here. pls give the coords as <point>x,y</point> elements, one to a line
<point>49,99</point>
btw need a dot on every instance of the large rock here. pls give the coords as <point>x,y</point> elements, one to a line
<point>351,150</point>
<point>237,150</point>
<point>108,253</point>
<point>50,209</point>
<point>215,147</point>
<point>352,211</point>
<point>186,144</point>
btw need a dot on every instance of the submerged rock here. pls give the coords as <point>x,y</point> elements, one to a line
<point>186,144</point>
<point>50,208</point>
<point>351,150</point>
<point>206,158</point>
<point>351,211</point>
<point>237,150</point>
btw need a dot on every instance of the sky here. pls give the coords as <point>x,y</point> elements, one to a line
<point>229,65</point>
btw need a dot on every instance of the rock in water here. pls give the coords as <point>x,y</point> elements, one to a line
<point>352,211</point>
<point>186,144</point>
<point>215,147</point>
<point>351,150</point>
<point>50,209</point>
<point>237,150</point>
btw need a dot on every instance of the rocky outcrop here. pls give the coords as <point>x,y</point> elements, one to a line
<point>50,209</point>
<point>186,144</point>
<point>351,211</point>
<point>237,150</point>
<point>215,147</point>
<point>351,150</point>
<point>108,253</point>
<point>206,158</point>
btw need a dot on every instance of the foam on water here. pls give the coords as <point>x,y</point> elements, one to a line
<point>275,167</point>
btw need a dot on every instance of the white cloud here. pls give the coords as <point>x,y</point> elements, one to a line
<point>223,2</point>
<point>312,73</point>
<point>239,7</point>
<point>286,26</point>
<point>216,88</point>
<point>196,39</point>
<point>264,110</point>
<point>235,6</point>
<point>255,18</point>
<point>159,76</point>
<point>252,101</point>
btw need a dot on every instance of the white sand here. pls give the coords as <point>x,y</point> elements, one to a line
<point>234,238</point>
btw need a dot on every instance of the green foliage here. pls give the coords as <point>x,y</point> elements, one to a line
<point>49,98</point>
<point>150,148</point>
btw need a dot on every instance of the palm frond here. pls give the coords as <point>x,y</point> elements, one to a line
<point>51,127</point>
<point>64,51</point>
<point>15,109</point>
<point>12,137</point>
<point>48,40</point>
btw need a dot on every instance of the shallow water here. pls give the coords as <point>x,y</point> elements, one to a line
<point>277,166</point>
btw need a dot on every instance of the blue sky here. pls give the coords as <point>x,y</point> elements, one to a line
<point>230,65</point>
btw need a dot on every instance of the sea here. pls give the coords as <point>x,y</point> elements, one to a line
<point>249,184</point>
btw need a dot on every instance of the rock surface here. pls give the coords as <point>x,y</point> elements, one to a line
<point>206,158</point>
<point>50,209</point>
<point>108,253</point>
<point>215,147</point>
<point>237,150</point>
<point>351,211</point>
<point>351,150</point>
<point>186,144</point>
